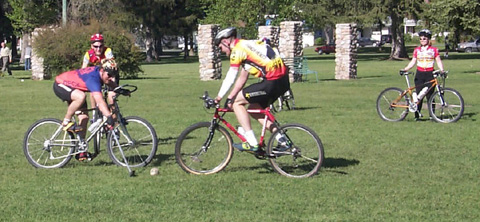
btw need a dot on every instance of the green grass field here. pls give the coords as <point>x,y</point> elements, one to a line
<point>373,170</point>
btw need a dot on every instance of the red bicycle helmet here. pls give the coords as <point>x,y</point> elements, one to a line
<point>96,38</point>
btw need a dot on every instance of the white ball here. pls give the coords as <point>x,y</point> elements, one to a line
<point>154,171</point>
<point>22,80</point>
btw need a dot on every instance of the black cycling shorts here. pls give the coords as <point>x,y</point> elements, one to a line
<point>65,93</point>
<point>266,91</point>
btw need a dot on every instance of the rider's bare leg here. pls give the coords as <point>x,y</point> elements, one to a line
<point>78,98</point>
<point>243,118</point>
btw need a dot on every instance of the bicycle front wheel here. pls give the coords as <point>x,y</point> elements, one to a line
<point>46,145</point>
<point>200,151</point>
<point>446,106</point>
<point>391,105</point>
<point>302,154</point>
<point>138,140</point>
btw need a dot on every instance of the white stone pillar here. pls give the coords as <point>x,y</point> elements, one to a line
<point>346,51</point>
<point>208,54</point>
<point>290,43</point>
<point>271,33</point>
<point>38,71</point>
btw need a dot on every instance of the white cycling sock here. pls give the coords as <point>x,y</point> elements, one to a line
<point>251,139</point>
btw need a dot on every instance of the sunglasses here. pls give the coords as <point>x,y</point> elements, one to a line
<point>97,46</point>
<point>423,38</point>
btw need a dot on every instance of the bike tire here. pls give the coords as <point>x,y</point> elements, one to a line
<point>289,100</point>
<point>140,150</point>
<point>453,110</point>
<point>44,151</point>
<point>384,105</point>
<point>303,158</point>
<point>278,104</point>
<point>192,158</point>
<point>98,137</point>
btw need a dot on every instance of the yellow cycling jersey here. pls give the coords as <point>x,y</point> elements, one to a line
<point>258,58</point>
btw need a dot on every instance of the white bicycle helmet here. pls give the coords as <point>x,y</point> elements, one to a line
<point>110,66</point>
<point>425,33</point>
<point>225,33</point>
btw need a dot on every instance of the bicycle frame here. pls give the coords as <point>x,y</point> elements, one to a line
<point>219,117</point>
<point>79,142</point>
<point>409,91</point>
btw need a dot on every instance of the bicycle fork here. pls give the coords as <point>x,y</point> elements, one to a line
<point>206,144</point>
<point>124,132</point>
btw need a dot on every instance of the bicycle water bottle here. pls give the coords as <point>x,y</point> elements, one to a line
<point>423,92</point>
<point>415,97</point>
<point>94,125</point>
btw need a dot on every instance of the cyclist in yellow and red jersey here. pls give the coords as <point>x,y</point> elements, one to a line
<point>97,53</point>
<point>93,57</point>
<point>251,57</point>
<point>424,56</point>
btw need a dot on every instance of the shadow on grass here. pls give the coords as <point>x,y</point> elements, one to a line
<point>329,165</point>
<point>469,116</point>
<point>304,108</point>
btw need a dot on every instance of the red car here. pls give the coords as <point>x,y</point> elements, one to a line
<point>327,49</point>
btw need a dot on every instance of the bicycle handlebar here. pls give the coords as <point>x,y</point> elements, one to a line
<point>403,72</point>
<point>435,73</point>
<point>125,90</point>
<point>208,102</point>
<point>442,74</point>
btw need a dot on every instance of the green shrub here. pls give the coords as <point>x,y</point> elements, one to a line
<point>63,48</point>
<point>407,38</point>
<point>319,41</point>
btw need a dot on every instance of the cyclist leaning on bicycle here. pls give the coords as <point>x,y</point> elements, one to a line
<point>424,56</point>
<point>71,87</point>
<point>260,60</point>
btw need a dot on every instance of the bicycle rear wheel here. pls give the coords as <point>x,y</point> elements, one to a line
<point>289,99</point>
<point>451,110</point>
<point>303,157</point>
<point>137,139</point>
<point>194,158</point>
<point>46,145</point>
<point>391,106</point>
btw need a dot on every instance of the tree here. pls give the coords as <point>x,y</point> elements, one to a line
<point>247,15</point>
<point>459,17</point>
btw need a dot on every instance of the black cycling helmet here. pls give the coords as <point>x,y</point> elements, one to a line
<point>425,33</point>
<point>225,33</point>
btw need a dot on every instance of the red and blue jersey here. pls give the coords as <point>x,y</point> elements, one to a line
<point>87,79</point>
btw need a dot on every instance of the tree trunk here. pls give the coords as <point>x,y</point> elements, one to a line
<point>149,46</point>
<point>185,46</point>
<point>398,43</point>
<point>158,47</point>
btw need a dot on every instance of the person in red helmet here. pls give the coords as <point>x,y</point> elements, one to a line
<point>93,57</point>
<point>97,52</point>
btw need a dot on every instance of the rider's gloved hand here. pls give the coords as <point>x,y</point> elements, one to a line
<point>110,121</point>
<point>228,103</point>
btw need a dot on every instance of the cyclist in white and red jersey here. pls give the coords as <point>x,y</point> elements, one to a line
<point>251,57</point>
<point>424,56</point>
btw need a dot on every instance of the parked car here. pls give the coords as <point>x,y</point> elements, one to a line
<point>327,49</point>
<point>362,42</point>
<point>386,39</point>
<point>471,46</point>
